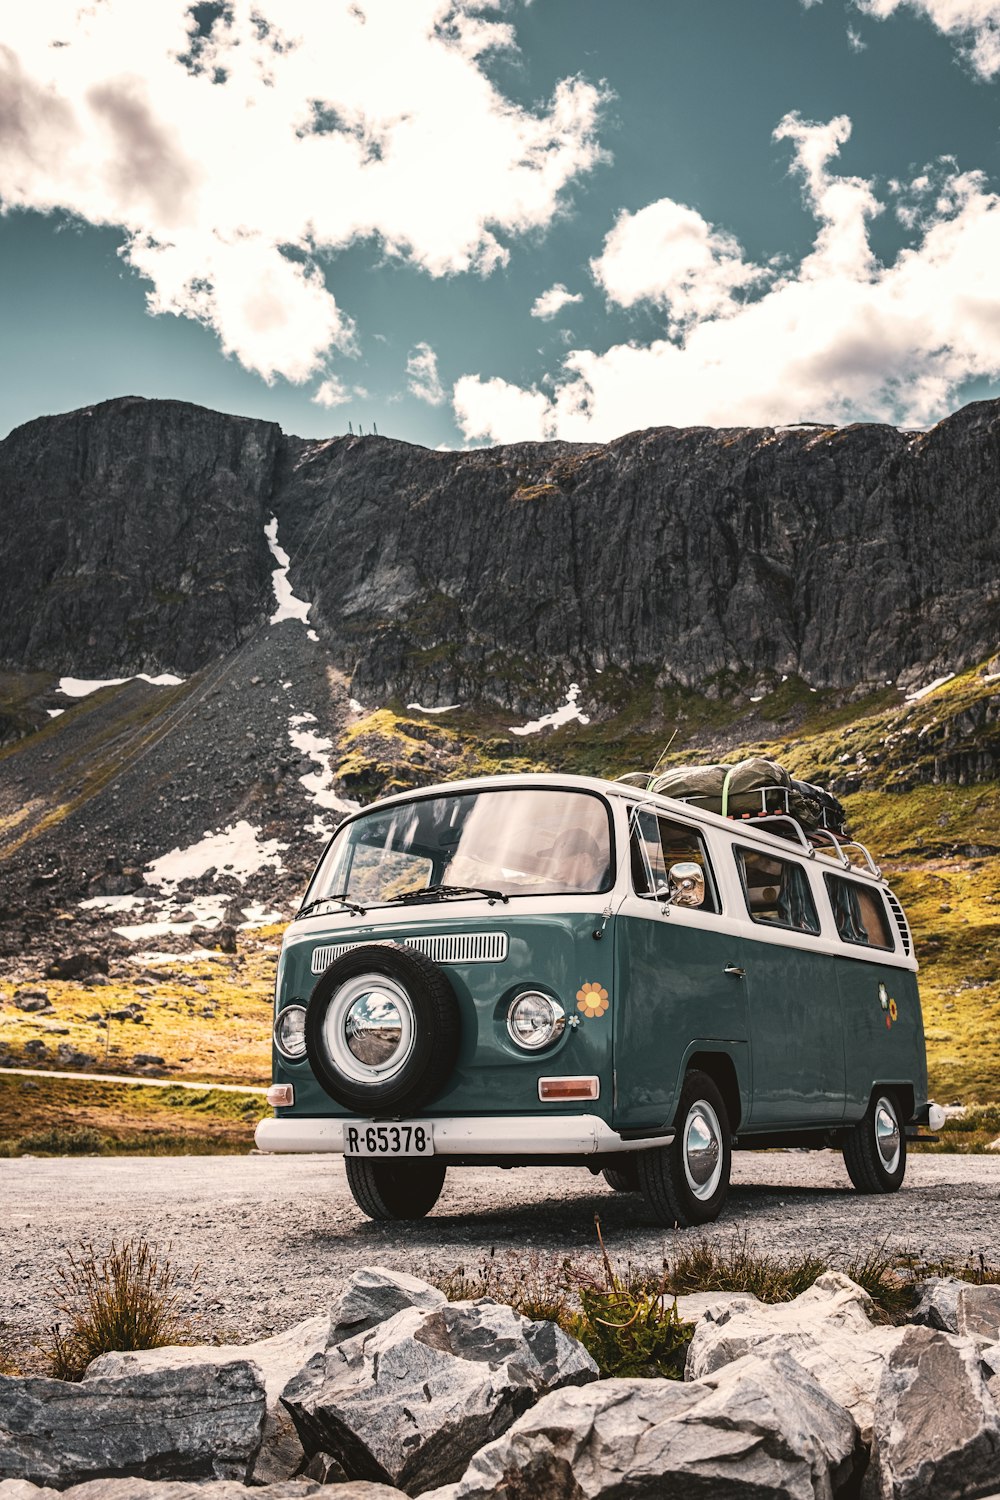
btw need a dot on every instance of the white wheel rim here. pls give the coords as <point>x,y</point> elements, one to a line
<point>701,1146</point>
<point>887,1134</point>
<point>369,1028</point>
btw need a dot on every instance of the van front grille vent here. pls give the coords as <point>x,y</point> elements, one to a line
<point>901,923</point>
<point>443,948</point>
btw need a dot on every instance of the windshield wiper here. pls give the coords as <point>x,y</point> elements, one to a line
<point>438,892</point>
<point>341,896</point>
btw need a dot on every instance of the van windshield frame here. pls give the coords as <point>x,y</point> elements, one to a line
<point>536,841</point>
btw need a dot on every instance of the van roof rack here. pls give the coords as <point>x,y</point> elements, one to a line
<point>775,809</point>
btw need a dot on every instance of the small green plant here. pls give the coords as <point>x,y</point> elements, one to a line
<point>125,1299</point>
<point>628,1326</point>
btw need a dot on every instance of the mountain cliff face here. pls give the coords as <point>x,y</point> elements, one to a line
<point>132,539</point>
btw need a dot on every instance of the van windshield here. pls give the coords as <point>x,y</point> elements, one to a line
<point>517,841</point>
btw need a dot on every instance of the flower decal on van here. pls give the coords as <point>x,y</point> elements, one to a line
<point>889,1005</point>
<point>592,999</point>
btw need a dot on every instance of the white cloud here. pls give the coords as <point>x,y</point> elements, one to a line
<point>855,40</point>
<point>422,377</point>
<point>235,163</point>
<point>332,392</point>
<point>973,24</point>
<point>838,336</point>
<point>667,254</point>
<point>547,304</point>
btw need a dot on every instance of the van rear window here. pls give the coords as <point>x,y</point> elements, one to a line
<point>777,891</point>
<point>859,913</point>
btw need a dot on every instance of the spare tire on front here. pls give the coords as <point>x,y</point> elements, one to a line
<point>382,1029</point>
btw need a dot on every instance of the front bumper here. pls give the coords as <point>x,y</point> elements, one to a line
<point>524,1135</point>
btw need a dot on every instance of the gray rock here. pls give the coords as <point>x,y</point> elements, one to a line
<point>979,1312</point>
<point>937,1303</point>
<point>32,1000</point>
<point>168,1424</point>
<point>827,1330</point>
<point>375,1294</point>
<point>692,1307</point>
<point>990,1357</point>
<point>833,1303</point>
<point>278,1359</point>
<point>937,1427</point>
<point>324,1469</point>
<point>410,1401</point>
<point>761,1427</point>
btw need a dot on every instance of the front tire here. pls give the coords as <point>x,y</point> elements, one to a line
<point>686,1182</point>
<point>875,1149</point>
<point>407,1188</point>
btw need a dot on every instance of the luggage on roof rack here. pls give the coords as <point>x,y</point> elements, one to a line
<point>753,788</point>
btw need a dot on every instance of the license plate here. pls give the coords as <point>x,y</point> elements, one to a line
<point>403,1138</point>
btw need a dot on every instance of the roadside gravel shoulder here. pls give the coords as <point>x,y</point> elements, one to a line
<point>274,1238</point>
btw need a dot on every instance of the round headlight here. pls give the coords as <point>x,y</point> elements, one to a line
<point>290,1032</point>
<point>534,1020</point>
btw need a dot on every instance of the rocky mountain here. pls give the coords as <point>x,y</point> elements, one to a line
<point>132,537</point>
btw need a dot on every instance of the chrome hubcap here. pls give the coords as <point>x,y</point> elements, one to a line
<point>887,1134</point>
<point>374,1028</point>
<point>369,1029</point>
<point>702,1144</point>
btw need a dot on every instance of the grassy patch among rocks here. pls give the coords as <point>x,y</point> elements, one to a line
<point>631,1318</point>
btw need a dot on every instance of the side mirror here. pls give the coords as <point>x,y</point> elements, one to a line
<point>687,884</point>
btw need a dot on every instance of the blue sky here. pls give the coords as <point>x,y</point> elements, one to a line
<point>465,223</point>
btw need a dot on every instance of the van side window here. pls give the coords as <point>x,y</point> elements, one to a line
<point>657,843</point>
<point>859,913</point>
<point>777,891</point>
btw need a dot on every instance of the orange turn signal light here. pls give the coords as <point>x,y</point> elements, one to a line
<point>281,1095</point>
<point>569,1088</point>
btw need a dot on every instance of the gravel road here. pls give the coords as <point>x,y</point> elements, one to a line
<point>275,1237</point>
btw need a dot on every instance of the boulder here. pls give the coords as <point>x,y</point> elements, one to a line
<point>192,1423</point>
<point>277,1359</point>
<point>937,1426</point>
<point>409,1402</point>
<point>979,1312</point>
<point>827,1330</point>
<point>222,937</point>
<point>937,1303</point>
<point>32,1000</point>
<point>372,1295</point>
<point>759,1427</point>
<point>76,965</point>
<point>375,1294</point>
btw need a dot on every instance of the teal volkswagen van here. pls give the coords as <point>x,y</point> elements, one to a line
<point>570,971</point>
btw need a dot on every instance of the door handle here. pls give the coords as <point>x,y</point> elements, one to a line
<point>735,970</point>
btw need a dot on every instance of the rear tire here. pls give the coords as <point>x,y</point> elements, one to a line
<point>875,1149</point>
<point>686,1182</point>
<point>404,1189</point>
<point>623,1179</point>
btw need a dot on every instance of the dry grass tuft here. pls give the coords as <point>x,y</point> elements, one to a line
<point>122,1300</point>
